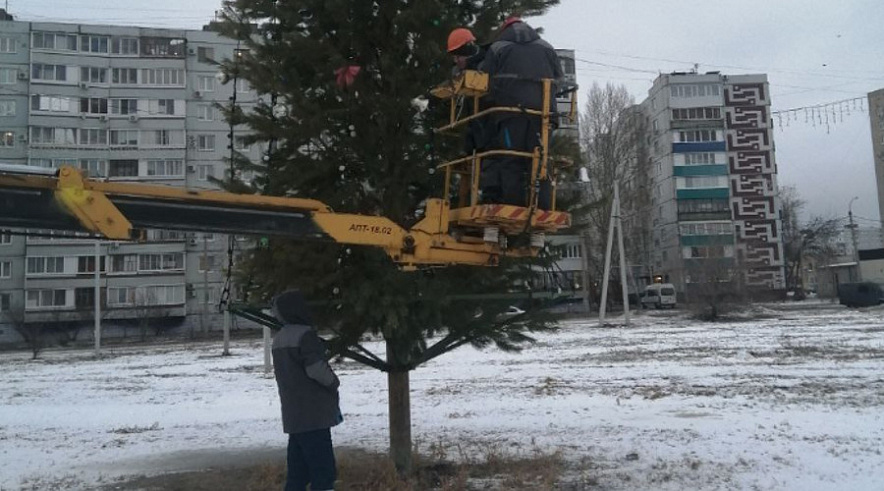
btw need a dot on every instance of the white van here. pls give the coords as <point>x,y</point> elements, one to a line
<point>659,295</point>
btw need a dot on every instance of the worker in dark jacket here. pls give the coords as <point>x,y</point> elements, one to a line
<point>516,63</point>
<point>467,54</point>
<point>308,392</point>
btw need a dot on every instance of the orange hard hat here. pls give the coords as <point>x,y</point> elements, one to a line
<point>459,38</point>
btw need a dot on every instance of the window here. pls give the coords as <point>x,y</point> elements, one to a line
<point>162,106</point>
<point>205,295</point>
<point>208,262</point>
<point>162,138</point>
<point>165,235</point>
<point>8,76</point>
<point>94,167</point>
<point>46,298</point>
<point>709,205</point>
<point>124,263</point>
<point>122,168</point>
<point>93,137</point>
<point>124,46</point>
<point>93,44</point>
<point>205,83</point>
<point>124,76</point>
<point>697,113</point>
<point>84,297</point>
<point>205,143</point>
<point>162,76</point>
<point>93,75</point>
<point>50,103</point>
<point>694,90</point>
<point>93,105</point>
<point>57,41</point>
<point>86,264</point>
<point>570,251</point>
<point>242,85</point>
<point>696,182</point>
<point>7,107</point>
<point>5,302</point>
<point>124,106</point>
<point>701,158</point>
<point>5,239</point>
<point>241,145</point>
<point>6,269</point>
<point>7,44</point>
<point>45,265</point>
<point>7,139</point>
<point>124,138</point>
<point>165,168</point>
<point>700,252</point>
<point>121,296</point>
<point>205,172</point>
<point>161,295</point>
<point>698,136</point>
<point>205,112</point>
<point>205,55</point>
<point>53,136</point>
<point>162,47</point>
<point>161,262</point>
<point>42,71</point>
<point>706,228</point>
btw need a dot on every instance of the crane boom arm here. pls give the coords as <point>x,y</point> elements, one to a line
<point>115,210</point>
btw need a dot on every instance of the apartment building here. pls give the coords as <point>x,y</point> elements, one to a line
<point>876,120</point>
<point>715,210</point>
<point>121,103</point>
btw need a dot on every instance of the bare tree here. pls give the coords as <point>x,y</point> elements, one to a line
<point>150,314</point>
<point>715,286</point>
<point>813,240</point>
<point>611,135</point>
<point>37,335</point>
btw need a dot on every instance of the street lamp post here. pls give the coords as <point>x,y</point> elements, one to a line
<point>859,274</point>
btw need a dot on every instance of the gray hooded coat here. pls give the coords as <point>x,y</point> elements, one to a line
<point>308,388</point>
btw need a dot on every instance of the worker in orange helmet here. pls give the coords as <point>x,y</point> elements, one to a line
<point>463,47</point>
<point>468,54</point>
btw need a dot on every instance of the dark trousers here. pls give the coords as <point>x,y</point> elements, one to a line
<point>311,459</point>
<point>506,179</point>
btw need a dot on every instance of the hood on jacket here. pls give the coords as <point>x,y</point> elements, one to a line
<point>289,307</point>
<point>519,33</point>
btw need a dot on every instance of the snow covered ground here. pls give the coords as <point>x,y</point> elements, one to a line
<point>793,399</point>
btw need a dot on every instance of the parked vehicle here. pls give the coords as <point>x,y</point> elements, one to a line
<point>659,295</point>
<point>863,294</point>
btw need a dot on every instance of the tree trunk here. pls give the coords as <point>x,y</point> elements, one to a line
<point>400,416</point>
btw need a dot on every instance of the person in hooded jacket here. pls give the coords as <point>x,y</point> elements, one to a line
<point>308,393</point>
<point>516,62</point>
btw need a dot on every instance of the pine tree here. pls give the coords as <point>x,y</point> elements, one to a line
<point>343,74</point>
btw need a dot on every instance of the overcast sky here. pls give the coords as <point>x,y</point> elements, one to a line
<point>814,52</point>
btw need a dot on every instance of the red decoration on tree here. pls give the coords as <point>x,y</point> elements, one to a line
<point>346,75</point>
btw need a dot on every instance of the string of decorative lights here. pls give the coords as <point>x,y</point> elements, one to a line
<point>826,114</point>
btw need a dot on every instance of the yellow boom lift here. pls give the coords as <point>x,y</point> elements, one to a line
<point>65,199</point>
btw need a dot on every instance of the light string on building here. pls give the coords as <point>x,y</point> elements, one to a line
<point>827,114</point>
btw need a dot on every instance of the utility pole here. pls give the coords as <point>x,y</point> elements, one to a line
<point>97,294</point>
<point>584,263</point>
<point>859,272</point>
<point>615,220</point>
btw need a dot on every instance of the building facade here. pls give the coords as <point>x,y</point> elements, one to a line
<point>120,103</point>
<point>715,209</point>
<point>876,117</point>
